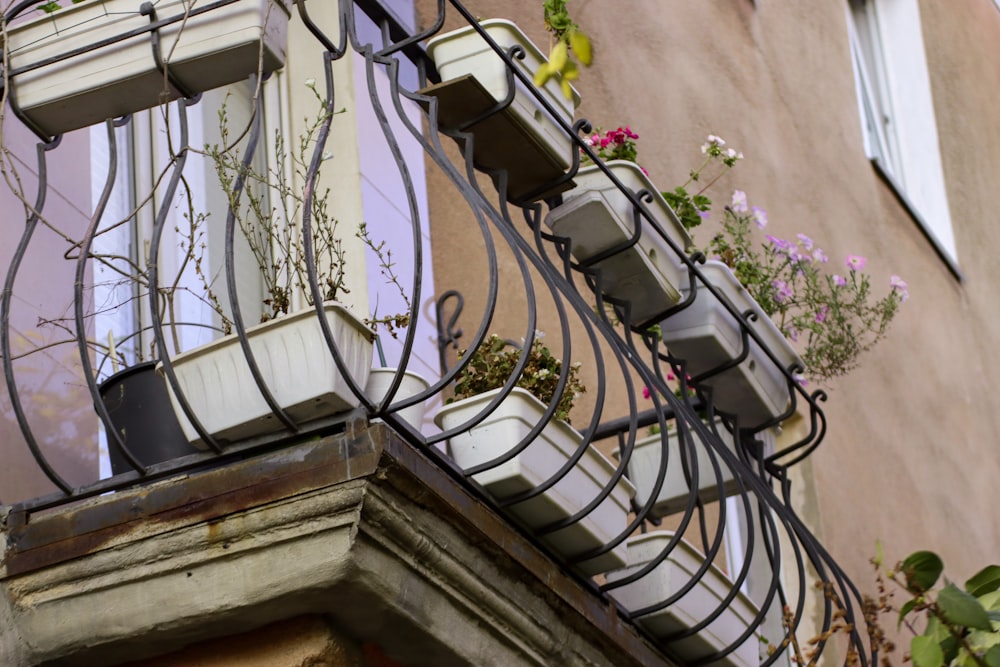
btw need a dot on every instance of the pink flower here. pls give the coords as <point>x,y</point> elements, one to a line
<point>645,392</point>
<point>899,285</point>
<point>782,291</point>
<point>821,314</point>
<point>806,242</point>
<point>759,216</point>
<point>856,262</point>
<point>739,204</point>
<point>820,256</point>
<point>839,281</point>
<point>630,134</point>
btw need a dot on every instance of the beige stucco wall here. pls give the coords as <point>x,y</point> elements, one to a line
<point>910,456</point>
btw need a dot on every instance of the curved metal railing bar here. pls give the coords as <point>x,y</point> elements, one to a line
<point>178,160</point>
<point>723,474</point>
<point>115,438</point>
<point>31,224</point>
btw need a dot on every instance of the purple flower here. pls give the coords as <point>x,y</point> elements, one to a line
<point>806,242</point>
<point>801,380</point>
<point>793,334</point>
<point>759,216</point>
<point>779,244</point>
<point>820,256</point>
<point>821,314</point>
<point>782,291</point>
<point>839,281</point>
<point>856,262</point>
<point>739,204</point>
<point>899,285</point>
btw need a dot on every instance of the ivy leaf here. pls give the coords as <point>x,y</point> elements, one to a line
<point>926,652</point>
<point>962,609</point>
<point>985,581</point>
<point>922,569</point>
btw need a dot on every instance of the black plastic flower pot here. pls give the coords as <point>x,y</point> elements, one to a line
<point>140,410</point>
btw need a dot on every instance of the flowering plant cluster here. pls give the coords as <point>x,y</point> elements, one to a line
<point>616,144</point>
<point>492,364</point>
<point>692,208</point>
<point>836,314</point>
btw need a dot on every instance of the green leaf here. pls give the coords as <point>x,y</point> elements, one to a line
<point>992,657</point>
<point>962,609</point>
<point>904,610</point>
<point>985,581</point>
<point>922,569</point>
<point>926,652</point>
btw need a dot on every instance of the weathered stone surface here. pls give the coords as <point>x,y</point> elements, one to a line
<point>360,529</point>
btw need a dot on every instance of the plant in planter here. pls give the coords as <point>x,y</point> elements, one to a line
<point>290,348</point>
<point>199,49</point>
<point>607,232</point>
<point>485,425</point>
<point>511,128</point>
<point>679,454</point>
<point>708,594</point>
<point>836,314</point>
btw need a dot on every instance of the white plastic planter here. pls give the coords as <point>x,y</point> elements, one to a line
<point>647,459</point>
<point>706,336</point>
<point>212,49</point>
<point>295,363</point>
<point>526,134</point>
<point>509,423</point>
<point>596,215</point>
<point>379,382</point>
<point>695,606</point>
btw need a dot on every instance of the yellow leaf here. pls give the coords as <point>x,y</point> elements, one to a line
<point>543,74</point>
<point>558,56</point>
<point>581,47</point>
<point>566,89</point>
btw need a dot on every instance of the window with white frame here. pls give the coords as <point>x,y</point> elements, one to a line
<point>897,109</point>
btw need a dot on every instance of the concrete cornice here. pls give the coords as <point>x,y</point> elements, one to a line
<point>360,528</point>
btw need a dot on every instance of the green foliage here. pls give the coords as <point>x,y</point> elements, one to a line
<point>688,207</point>
<point>493,363</point>
<point>961,627</point>
<point>921,570</point>
<point>567,41</point>
<point>53,6</point>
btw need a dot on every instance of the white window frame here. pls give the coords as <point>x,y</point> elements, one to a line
<point>896,108</point>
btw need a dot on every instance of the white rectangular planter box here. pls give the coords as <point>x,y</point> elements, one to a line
<point>464,51</point>
<point>296,365</point>
<point>647,459</point>
<point>596,215</point>
<point>509,423</point>
<point>379,382</point>
<point>706,336</point>
<point>215,48</point>
<point>524,138</point>
<point>695,606</point>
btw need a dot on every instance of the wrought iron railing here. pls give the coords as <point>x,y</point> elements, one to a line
<point>736,552</point>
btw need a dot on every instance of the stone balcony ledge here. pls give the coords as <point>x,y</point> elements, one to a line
<point>358,527</point>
